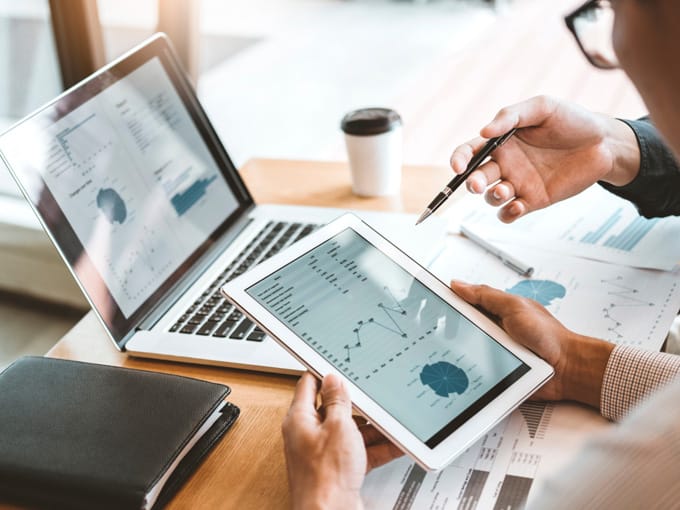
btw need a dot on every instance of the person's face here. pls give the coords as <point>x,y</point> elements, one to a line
<point>647,42</point>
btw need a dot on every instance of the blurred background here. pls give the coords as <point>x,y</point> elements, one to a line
<point>275,77</point>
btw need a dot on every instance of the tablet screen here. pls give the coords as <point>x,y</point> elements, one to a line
<point>404,346</point>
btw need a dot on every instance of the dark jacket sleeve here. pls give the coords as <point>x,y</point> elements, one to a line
<point>656,189</point>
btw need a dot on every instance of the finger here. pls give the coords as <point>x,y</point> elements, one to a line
<point>360,421</point>
<point>305,394</point>
<point>542,395</point>
<point>463,154</point>
<point>486,174</point>
<point>492,300</point>
<point>335,398</point>
<point>500,193</point>
<point>372,436</point>
<point>532,112</point>
<point>381,454</point>
<point>513,210</point>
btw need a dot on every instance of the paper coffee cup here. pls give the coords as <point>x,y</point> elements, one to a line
<point>373,137</point>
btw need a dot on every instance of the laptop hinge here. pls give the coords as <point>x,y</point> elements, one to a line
<point>193,274</point>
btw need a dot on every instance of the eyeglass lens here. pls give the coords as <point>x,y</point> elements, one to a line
<point>594,27</point>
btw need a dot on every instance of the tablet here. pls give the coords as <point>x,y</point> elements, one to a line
<point>423,366</point>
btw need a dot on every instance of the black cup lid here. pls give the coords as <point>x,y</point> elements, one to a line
<point>370,121</point>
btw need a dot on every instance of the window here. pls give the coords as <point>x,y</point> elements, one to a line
<point>28,63</point>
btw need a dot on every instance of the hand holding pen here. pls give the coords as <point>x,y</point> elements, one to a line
<point>559,150</point>
<point>475,163</point>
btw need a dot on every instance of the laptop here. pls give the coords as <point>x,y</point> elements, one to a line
<point>140,198</point>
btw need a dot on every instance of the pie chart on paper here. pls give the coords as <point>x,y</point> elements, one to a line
<point>543,291</point>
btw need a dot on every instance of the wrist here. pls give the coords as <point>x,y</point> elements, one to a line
<point>586,362</point>
<point>622,143</point>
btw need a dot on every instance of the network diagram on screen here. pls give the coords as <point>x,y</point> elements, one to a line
<point>401,343</point>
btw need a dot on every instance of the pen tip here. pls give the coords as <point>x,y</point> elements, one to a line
<point>423,216</point>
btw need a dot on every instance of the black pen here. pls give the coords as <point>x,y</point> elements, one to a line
<point>475,163</point>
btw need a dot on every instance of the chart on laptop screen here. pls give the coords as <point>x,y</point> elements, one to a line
<point>134,179</point>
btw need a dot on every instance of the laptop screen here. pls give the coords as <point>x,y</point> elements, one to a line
<point>129,178</point>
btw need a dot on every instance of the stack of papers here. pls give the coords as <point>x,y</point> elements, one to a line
<point>594,224</point>
<point>621,304</point>
<point>498,472</point>
<point>603,271</point>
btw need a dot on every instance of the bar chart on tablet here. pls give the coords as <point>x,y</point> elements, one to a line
<point>387,332</point>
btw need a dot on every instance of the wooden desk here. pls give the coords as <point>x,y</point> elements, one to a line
<point>247,468</point>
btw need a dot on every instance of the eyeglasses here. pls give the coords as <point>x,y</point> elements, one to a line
<point>592,26</point>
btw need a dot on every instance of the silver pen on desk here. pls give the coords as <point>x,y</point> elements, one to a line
<point>519,267</point>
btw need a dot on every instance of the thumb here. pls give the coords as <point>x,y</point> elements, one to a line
<point>335,398</point>
<point>492,300</point>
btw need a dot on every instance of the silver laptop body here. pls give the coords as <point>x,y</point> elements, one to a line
<point>140,198</point>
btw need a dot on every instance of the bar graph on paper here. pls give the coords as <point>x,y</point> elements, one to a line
<point>501,471</point>
<point>594,224</point>
<point>628,237</point>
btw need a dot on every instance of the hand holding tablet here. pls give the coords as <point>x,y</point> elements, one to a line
<point>427,369</point>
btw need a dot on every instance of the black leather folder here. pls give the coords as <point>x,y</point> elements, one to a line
<point>80,435</point>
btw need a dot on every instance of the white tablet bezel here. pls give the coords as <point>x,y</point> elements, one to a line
<point>460,439</point>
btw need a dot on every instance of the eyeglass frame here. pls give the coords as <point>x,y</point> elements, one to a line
<point>569,20</point>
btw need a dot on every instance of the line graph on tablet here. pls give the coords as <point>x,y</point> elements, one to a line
<point>385,331</point>
<point>392,311</point>
<point>367,315</point>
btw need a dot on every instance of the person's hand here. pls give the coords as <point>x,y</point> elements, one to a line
<point>325,453</point>
<point>579,361</point>
<point>379,449</point>
<point>324,447</point>
<point>559,150</point>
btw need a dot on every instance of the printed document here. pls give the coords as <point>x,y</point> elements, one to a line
<point>595,224</point>
<point>502,470</point>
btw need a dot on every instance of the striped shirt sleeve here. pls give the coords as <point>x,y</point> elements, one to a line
<point>631,376</point>
<point>633,465</point>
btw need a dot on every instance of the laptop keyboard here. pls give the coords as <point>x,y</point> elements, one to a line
<point>213,315</point>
